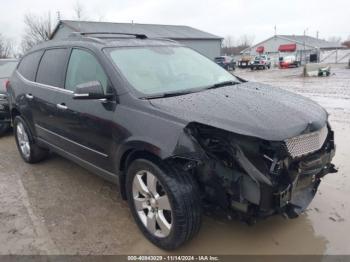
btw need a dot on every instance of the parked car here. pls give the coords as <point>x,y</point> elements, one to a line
<point>177,138</point>
<point>226,62</point>
<point>288,61</point>
<point>244,61</point>
<point>260,62</point>
<point>7,66</point>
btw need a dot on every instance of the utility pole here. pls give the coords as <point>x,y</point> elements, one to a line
<point>58,16</point>
<point>304,45</point>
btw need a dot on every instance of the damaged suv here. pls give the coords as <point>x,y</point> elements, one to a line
<point>178,138</point>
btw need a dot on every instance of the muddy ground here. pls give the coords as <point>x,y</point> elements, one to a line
<point>56,207</point>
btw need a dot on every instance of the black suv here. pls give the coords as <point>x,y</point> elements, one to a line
<point>178,139</point>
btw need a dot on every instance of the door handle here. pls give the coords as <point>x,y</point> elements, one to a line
<point>62,106</point>
<point>29,96</point>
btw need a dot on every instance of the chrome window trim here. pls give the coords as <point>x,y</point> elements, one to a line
<point>54,88</point>
<point>71,141</point>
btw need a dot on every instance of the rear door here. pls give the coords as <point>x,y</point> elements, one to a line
<point>23,84</point>
<point>44,94</point>
<point>85,126</point>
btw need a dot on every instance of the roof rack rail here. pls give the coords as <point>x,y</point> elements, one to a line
<point>140,36</point>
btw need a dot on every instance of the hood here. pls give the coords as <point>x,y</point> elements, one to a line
<point>251,109</point>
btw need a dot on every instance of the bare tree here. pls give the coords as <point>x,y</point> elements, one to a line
<point>231,46</point>
<point>6,47</point>
<point>229,41</point>
<point>79,11</point>
<point>37,29</point>
<point>246,40</point>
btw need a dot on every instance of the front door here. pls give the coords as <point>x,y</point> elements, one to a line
<point>86,126</point>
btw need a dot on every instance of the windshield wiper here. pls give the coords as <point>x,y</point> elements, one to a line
<point>170,94</point>
<point>163,95</point>
<point>224,83</point>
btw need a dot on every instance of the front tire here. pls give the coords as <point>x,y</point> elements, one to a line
<point>164,202</point>
<point>27,146</point>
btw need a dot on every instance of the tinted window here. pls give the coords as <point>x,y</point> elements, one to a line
<point>29,65</point>
<point>52,67</point>
<point>82,68</point>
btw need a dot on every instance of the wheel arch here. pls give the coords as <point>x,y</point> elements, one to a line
<point>182,148</point>
<point>127,158</point>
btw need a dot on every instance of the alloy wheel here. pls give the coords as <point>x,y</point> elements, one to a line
<point>152,203</point>
<point>23,140</point>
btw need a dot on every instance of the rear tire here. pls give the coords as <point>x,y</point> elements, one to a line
<point>4,127</point>
<point>166,225</point>
<point>26,144</point>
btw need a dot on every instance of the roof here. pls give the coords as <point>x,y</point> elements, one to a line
<point>176,32</point>
<point>301,39</point>
<point>312,41</point>
<point>87,41</point>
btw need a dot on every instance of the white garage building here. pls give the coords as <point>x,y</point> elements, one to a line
<point>301,45</point>
<point>205,43</point>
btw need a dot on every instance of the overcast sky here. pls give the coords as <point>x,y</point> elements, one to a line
<point>221,17</point>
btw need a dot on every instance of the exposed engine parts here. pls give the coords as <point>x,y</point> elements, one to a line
<point>254,178</point>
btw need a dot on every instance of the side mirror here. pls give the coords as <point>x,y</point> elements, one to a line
<point>90,90</point>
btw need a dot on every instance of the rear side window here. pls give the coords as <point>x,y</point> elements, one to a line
<point>83,67</point>
<point>29,65</point>
<point>52,67</point>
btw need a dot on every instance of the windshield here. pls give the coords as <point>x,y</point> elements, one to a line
<point>6,68</point>
<point>167,69</point>
<point>260,57</point>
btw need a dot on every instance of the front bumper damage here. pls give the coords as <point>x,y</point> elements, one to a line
<point>250,178</point>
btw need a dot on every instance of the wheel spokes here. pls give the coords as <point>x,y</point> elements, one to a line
<point>23,140</point>
<point>25,148</point>
<point>140,186</point>
<point>152,203</point>
<point>152,184</point>
<point>151,222</point>
<point>140,203</point>
<point>163,223</point>
<point>163,202</point>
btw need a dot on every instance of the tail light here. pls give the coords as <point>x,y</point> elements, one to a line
<point>7,85</point>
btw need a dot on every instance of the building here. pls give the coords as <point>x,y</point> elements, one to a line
<point>301,45</point>
<point>205,43</point>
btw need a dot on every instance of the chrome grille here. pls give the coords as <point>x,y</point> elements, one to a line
<point>307,143</point>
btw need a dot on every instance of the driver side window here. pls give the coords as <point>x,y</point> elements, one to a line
<point>83,67</point>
